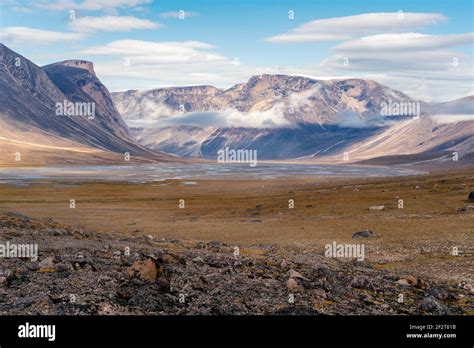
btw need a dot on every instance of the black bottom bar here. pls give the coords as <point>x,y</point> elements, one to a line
<point>288,330</point>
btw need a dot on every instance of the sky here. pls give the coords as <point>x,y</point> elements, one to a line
<point>422,48</point>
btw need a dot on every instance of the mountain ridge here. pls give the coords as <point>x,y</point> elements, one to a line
<point>28,109</point>
<point>346,115</point>
<point>295,97</point>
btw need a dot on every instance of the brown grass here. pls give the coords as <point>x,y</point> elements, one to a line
<point>417,238</point>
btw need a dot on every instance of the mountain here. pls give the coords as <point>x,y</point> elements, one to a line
<point>62,113</point>
<point>271,143</point>
<point>299,100</point>
<point>319,120</point>
<point>77,81</point>
<point>462,106</point>
<point>415,140</point>
<point>30,122</point>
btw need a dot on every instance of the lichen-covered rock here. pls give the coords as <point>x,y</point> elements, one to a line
<point>163,276</point>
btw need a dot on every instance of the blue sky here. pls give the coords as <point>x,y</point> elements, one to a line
<point>426,50</point>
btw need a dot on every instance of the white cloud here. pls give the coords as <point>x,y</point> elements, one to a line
<point>223,118</point>
<point>404,42</point>
<point>423,66</point>
<point>111,23</point>
<point>147,52</point>
<point>178,14</point>
<point>423,62</point>
<point>146,64</point>
<point>22,9</point>
<point>90,5</point>
<point>452,118</point>
<point>340,28</point>
<point>35,36</point>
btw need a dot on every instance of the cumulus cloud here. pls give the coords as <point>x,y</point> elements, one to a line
<point>35,36</point>
<point>111,23</point>
<point>352,119</point>
<point>170,52</point>
<point>151,112</point>
<point>342,28</point>
<point>375,46</point>
<point>225,118</point>
<point>146,64</point>
<point>417,64</point>
<point>90,5</point>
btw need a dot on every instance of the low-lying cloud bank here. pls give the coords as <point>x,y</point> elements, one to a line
<point>217,119</point>
<point>452,118</point>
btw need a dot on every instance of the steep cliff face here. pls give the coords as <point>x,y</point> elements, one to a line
<point>77,80</point>
<point>29,101</point>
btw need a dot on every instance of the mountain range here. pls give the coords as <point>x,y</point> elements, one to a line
<point>293,117</point>
<point>282,117</point>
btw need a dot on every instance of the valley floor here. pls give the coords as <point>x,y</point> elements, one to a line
<point>412,251</point>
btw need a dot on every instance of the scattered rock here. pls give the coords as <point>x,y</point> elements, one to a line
<point>377,207</point>
<point>198,259</point>
<point>214,245</point>
<point>433,306</point>
<point>297,275</point>
<point>441,294</point>
<point>151,280</point>
<point>402,282</point>
<point>362,283</point>
<point>409,280</point>
<point>145,270</point>
<point>363,234</point>
<point>292,285</point>
<point>467,286</point>
<point>106,308</point>
<point>469,207</point>
<point>46,265</point>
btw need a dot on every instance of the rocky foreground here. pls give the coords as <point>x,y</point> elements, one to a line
<point>80,272</point>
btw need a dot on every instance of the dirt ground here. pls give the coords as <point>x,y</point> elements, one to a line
<point>419,238</point>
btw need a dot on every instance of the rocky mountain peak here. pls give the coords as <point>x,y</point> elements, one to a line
<point>77,63</point>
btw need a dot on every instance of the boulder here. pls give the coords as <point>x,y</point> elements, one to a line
<point>46,265</point>
<point>363,234</point>
<point>292,285</point>
<point>145,270</point>
<point>433,306</point>
<point>409,280</point>
<point>297,275</point>
<point>471,197</point>
<point>362,283</point>
<point>468,207</point>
